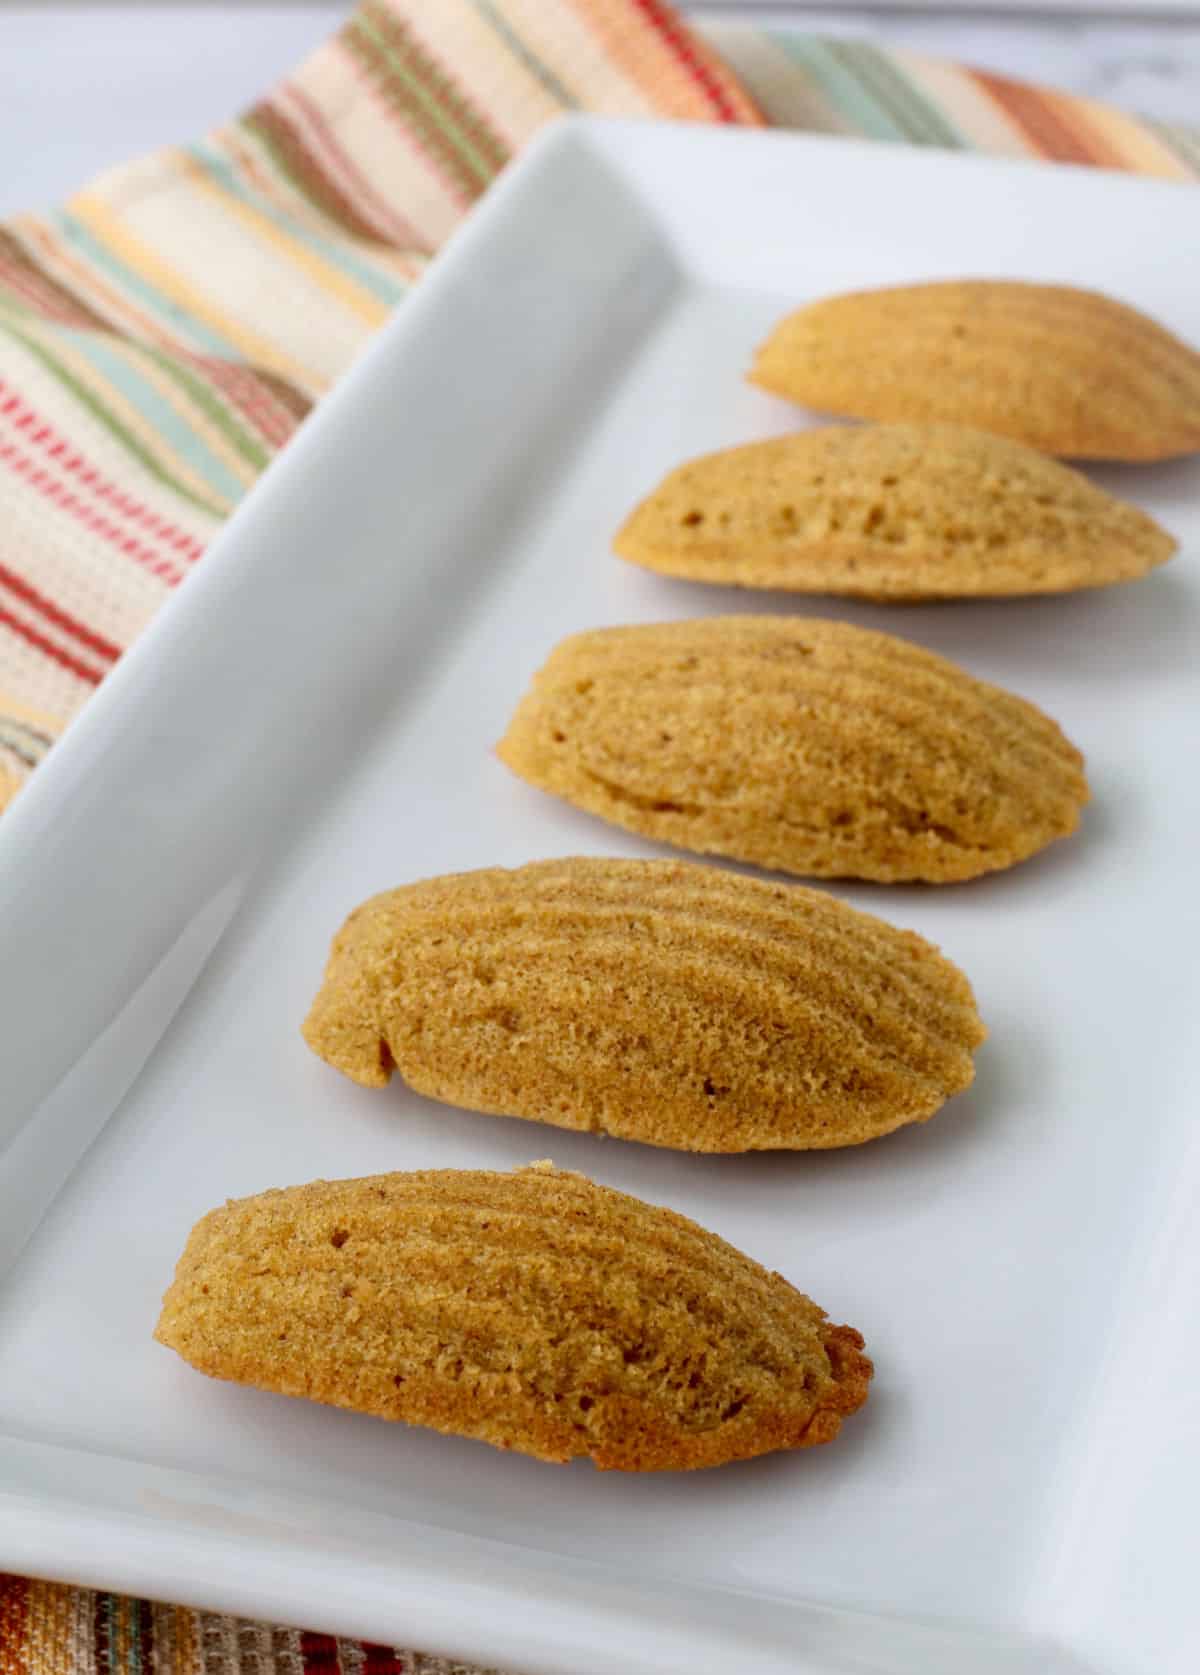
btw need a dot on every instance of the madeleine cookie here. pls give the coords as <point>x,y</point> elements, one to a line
<point>890,512</point>
<point>658,1001</point>
<point>804,746</point>
<point>534,1311</point>
<point>1067,371</point>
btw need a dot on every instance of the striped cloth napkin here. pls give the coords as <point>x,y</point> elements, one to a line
<point>166,330</point>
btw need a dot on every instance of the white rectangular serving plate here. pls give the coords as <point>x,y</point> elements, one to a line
<point>312,720</point>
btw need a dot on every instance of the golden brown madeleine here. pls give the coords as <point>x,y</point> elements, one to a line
<point>1071,372</point>
<point>891,512</point>
<point>805,746</point>
<point>658,1001</point>
<point>534,1311</point>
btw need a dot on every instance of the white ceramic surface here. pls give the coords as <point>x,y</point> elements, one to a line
<point>311,719</point>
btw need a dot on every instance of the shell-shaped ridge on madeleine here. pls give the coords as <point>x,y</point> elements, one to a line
<point>802,746</point>
<point>535,1311</point>
<point>1069,371</point>
<point>659,1001</point>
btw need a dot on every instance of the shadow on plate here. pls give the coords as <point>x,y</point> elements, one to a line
<point>1102,633</point>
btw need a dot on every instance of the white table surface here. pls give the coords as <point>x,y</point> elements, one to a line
<point>82,86</point>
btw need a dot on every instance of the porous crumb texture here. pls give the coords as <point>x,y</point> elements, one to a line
<point>891,512</point>
<point>534,1311</point>
<point>1068,371</point>
<point>652,1000</point>
<point>803,746</point>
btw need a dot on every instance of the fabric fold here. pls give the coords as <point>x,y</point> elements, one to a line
<point>166,330</point>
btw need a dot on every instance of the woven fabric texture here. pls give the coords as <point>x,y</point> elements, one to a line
<point>164,332</point>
